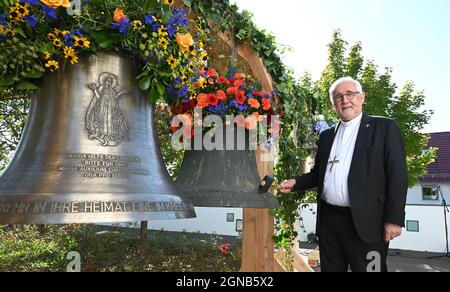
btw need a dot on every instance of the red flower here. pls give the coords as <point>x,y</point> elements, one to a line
<point>258,94</point>
<point>223,80</point>
<point>238,83</point>
<point>224,249</point>
<point>213,100</point>
<point>212,72</point>
<point>221,95</point>
<point>232,91</point>
<point>266,104</point>
<point>240,97</point>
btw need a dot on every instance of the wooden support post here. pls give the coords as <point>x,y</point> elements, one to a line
<point>143,234</point>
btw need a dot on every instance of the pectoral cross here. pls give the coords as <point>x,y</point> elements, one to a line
<point>333,162</point>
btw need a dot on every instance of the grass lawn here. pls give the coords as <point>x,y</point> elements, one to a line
<point>113,249</point>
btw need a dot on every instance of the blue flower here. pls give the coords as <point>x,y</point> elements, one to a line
<point>221,108</point>
<point>3,19</point>
<point>183,91</point>
<point>50,12</point>
<point>32,20</point>
<point>123,26</point>
<point>172,91</point>
<point>31,2</point>
<point>149,19</point>
<point>243,108</point>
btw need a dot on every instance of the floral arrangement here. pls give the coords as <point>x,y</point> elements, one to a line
<point>235,95</point>
<point>39,36</point>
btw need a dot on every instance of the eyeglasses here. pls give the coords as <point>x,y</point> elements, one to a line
<point>349,95</point>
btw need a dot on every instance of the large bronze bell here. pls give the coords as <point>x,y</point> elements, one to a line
<point>89,152</point>
<point>224,178</point>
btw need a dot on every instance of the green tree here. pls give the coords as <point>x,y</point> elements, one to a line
<point>381,100</point>
<point>13,114</point>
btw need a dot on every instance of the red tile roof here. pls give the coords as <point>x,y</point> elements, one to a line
<point>439,172</point>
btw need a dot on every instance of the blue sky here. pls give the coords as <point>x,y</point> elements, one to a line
<point>411,36</point>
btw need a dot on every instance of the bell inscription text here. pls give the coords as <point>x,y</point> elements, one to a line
<point>101,166</point>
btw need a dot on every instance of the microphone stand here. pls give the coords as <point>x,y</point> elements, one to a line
<point>444,205</point>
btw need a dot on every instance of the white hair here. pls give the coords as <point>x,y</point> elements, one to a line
<point>344,79</point>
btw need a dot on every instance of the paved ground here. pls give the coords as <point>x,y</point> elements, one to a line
<point>408,261</point>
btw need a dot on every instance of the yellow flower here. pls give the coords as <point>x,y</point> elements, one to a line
<point>51,36</point>
<point>82,42</point>
<point>52,65</point>
<point>47,55</point>
<point>184,41</point>
<point>57,43</point>
<point>162,31</point>
<point>163,43</point>
<point>172,62</point>
<point>204,56</point>
<point>56,3</point>
<point>73,59</point>
<point>136,24</point>
<point>169,2</point>
<point>68,51</point>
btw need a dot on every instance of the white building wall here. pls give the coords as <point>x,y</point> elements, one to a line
<point>415,195</point>
<point>431,235</point>
<point>208,220</point>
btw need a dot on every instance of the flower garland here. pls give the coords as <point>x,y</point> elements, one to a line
<point>43,36</point>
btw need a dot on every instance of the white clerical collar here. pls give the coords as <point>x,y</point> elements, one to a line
<point>353,123</point>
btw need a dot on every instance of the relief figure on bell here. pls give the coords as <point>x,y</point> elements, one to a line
<point>105,121</point>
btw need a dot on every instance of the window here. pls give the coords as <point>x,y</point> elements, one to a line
<point>412,226</point>
<point>430,193</point>
<point>239,225</point>
<point>230,217</point>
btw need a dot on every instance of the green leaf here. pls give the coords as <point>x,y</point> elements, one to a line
<point>161,88</point>
<point>33,74</point>
<point>25,85</point>
<point>144,84</point>
<point>19,30</point>
<point>6,82</point>
<point>104,38</point>
<point>153,96</point>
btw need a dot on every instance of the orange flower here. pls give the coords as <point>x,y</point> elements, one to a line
<point>258,117</point>
<point>202,100</point>
<point>118,15</point>
<point>184,41</point>
<point>254,103</point>
<point>56,3</point>
<point>239,76</point>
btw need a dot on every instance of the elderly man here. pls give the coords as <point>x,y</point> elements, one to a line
<point>361,176</point>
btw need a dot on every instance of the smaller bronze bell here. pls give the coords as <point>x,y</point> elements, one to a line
<point>223,178</point>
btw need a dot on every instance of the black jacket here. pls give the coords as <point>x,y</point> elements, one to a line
<point>378,178</point>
